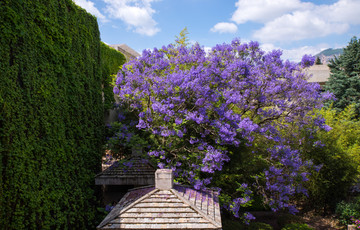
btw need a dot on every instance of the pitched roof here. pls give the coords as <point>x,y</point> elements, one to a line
<point>180,207</point>
<point>126,50</point>
<point>135,171</point>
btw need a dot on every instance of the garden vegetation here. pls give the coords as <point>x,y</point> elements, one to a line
<point>235,118</point>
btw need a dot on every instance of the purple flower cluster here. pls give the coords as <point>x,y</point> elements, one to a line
<point>284,178</point>
<point>356,222</point>
<point>196,103</point>
<point>243,201</point>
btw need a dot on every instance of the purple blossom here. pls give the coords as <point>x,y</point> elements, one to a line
<point>178,121</point>
<point>180,133</point>
<point>128,164</point>
<point>161,165</point>
<point>108,208</point>
<point>142,124</point>
<point>307,61</point>
<point>228,96</point>
<point>116,90</point>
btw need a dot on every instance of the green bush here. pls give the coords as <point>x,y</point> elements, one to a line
<point>233,224</point>
<point>111,60</point>
<point>297,226</point>
<point>51,115</point>
<point>346,210</point>
<point>286,219</point>
<point>259,226</point>
<point>339,157</point>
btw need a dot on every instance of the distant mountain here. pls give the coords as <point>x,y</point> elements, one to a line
<point>331,52</point>
<point>328,54</point>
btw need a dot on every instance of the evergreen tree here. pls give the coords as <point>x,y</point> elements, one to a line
<point>344,81</point>
<point>318,61</point>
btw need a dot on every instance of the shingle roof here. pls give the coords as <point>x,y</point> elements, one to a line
<point>126,50</point>
<point>178,208</point>
<point>135,171</point>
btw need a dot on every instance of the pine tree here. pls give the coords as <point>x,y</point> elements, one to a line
<point>344,81</point>
<point>318,61</point>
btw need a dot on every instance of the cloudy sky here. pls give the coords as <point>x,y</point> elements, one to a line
<point>297,27</point>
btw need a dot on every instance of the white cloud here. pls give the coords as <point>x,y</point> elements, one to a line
<point>89,6</point>
<point>298,26</point>
<point>224,27</point>
<point>291,20</point>
<point>137,14</point>
<point>297,53</point>
<point>345,11</point>
<point>264,10</point>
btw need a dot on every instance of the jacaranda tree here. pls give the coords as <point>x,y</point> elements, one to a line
<point>197,105</point>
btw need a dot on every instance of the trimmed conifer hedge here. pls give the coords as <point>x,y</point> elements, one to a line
<point>51,115</point>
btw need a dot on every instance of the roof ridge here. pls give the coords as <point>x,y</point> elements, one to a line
<point>195,208</point>
<point>112,217</point>
<point>138,200</point>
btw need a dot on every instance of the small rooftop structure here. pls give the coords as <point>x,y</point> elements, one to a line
<point>135,171</point>
<point>126,50</point>
<point>320,73</point>
<point>165,206</point>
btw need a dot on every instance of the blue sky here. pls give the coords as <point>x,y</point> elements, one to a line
<point>295,26</point>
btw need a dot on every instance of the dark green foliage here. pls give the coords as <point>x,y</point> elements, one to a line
<point>344,79</point>
<point>346,210</point>
<point>232,224</point>
<point>51,115</point>
<point>238,170</point>
<point>339,158</point>
<point>237,225</point>
<point>297,226</point>
<point>285,219</point>
<point>318,61</point>
<point>111,60</point>
<point>259,226</point>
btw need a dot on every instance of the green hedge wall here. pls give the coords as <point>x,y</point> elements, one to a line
<point>51,115</point>
<point>111,60</point>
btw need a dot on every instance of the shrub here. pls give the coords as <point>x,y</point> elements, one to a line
<point>233,224</point>
<point>259,226</point>
<point>338,152</point>
<point>348,210</point>
<point>297,226</point>
<point>286,219</point>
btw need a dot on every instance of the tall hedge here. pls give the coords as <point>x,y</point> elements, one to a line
<point>51,115</point>
<point>111,60</point>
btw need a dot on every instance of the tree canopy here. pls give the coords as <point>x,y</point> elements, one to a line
<point>344,81</point>
<point>203,109</point>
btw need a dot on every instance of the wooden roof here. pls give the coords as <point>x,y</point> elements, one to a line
<point>135,171</point>
<point>126,50</point>
<point>180,207</point>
